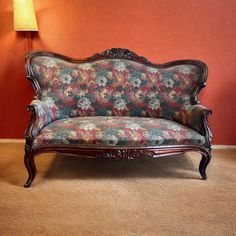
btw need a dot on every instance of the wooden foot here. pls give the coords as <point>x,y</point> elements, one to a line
<point>30,166</point>
<point>206,157</point>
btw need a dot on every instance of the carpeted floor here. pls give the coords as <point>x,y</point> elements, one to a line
<point>76,196</point>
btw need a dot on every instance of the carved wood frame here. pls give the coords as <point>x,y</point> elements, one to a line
<point>115,153</point>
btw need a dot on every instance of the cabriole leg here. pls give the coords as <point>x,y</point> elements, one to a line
<point>206,157</point>
<point>30,166</point>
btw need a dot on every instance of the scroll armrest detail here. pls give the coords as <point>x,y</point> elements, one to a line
<point>40,117</point>
<point>196,118</point>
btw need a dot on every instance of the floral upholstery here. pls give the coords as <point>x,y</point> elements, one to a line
<point>117,131</point>
<point>116,87</point>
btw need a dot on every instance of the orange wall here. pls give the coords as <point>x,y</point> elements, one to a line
<point>161,30</point>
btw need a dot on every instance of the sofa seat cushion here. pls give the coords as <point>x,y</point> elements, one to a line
<point>117,131</point>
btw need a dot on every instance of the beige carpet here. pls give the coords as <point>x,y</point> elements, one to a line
<point>73,196</point>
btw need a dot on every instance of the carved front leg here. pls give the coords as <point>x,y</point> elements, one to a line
<point>30,165</point>
<point>206,157</point>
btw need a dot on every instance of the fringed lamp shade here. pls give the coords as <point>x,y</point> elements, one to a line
<point>24,16</point>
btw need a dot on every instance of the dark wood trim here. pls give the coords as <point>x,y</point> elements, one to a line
<point>120,152</point>
<point>115,152</point>
<point>28,132</point>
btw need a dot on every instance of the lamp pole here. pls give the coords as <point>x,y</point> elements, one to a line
<point>29,40</point>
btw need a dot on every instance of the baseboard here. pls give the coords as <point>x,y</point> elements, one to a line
<point>9,140</point>
<point>217,146</point>
<point>223,146</point>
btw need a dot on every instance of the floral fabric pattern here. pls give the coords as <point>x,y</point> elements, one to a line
<point>117,131</point>
<point>114,87</point>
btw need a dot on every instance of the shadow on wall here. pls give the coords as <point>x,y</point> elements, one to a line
<point>220,108</point>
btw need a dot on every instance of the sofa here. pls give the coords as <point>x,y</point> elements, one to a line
<point>115,105</point>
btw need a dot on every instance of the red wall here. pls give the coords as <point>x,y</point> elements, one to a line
<point>161,30</point>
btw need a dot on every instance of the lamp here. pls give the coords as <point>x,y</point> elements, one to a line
<point>24,18</point>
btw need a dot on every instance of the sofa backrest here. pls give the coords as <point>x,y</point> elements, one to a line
<point>116,82</point>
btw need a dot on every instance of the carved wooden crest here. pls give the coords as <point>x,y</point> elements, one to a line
<point>121,53</point>
<point>126,154</point>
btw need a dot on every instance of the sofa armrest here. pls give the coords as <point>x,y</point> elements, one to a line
<point>40,117</point>
<point>196,118</point>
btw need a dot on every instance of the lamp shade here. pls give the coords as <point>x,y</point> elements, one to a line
<point>24,16</point>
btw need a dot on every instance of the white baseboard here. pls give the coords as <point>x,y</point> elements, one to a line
<point>223,146</point>
<point>9,140</point>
